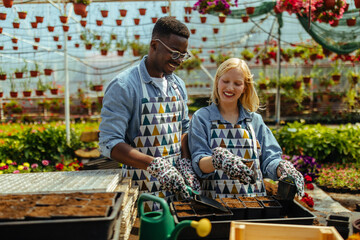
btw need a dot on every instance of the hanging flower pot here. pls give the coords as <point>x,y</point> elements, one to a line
<point>118,22</point>
<point>297,84</point>
<point>136,52</point>
<point>100,99</point>
<point>69,38</point>
<point>54,91</point>
<point>27,93</point>
<point>79,8</point>
<point>187,19</point>
<point>1,29</point>
<point>14,40</point>
<point>164,9</point>
<point>329,4</point>
<point>306,79</point>
<point>39,19</point>
<point>203,19</point>
<point>335,23</point>
<point>357,3</point>
<point>34,24</point>
<point>193,31</point>
<point>50,28</point>
<point>83,23</point>
<point>346,7</point>
<point>204,39</point>
<point>65,28</point>
<point>1,94</point>
<point>313,56</point>
<point>34,73</point>
<point>59,46</point>
<point>13,94</point>
<point>355,79</point>
<point>266,61</point>
<point>104,52</point>
<point>188,10</point>
<point>99,22</point>
<point>120,52</point>
<point>2,16</point>
<point>154,19</point>
<point>16,24</point>
<point>1,48</point>
<point>336,78</point>
<point>98,88</point>
<point>19,74</point>
<point>136,21</point>
<point>137,36</point>
<point>84,15</point>
<point>88,46</point>
<point>250,10</point>
<point>63,19</point>
<point>77,45</point>
<point>113,36</point>
<point>39,92</point>
<point>97,37</point>
<point>142,11</point>
<point>36,39</point>
<point>104,13</point>
<point>3,77</point>
<point>8,3</point>
<point>351,22</point>
<point>222,19</point>
<point>35,47</point>
<point>262,86</point>
<point>22,15</point>
<point>215,30</point>
<point>15,48</point>
<point>123,12</point>
<point>245,18</point>
<point>56,38</point>
<point>48,71</point>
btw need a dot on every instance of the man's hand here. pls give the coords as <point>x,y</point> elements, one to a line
<point>185,168</point>
<point>288,170</point>
<point>168,176</point>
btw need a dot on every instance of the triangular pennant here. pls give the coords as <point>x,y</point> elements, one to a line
<point>221,126</point>
<point>176,140</point>
<point>163,141</point>
<point>147,132</point>
<point>217,189</point>
<point>216,176</point>
<point>163,130</point>
<point>160,99</point>
<point>153,109</point>
<point>221,135</point>
<point>245,135</point>
<point>214,145</point>
<point>146,121</point>
<point>139,132</point>
<point>154,120</point>
<point>237,126</point>
<point>135,177</point>
<point>247,155</point>
<point>242,189</point>
<point>238,134</point>
<point>144,187</point>
<point>210,186</point>
<point>175,128</point>
<point>139,143</point>
<point>171,150</point>
<point>167,109</point>
<point>155,131</point>
<point>161,109</point>
<point>156,142</point>
<point>224,176</point>
<point>162,119</point>
<point>145,110</point>
<point>222,144</point>
<point>153,99</point>
<point>173,108</point>
<point>170,140</point>
<point>173,118</point>
<point>256,189</point>
<point>173,99</point>
<point>230,144</point>
<point>249,189</point>
<point>148,152</point>
<point>229,135</point>
<point>214,126</point>
<point>258,144</point>
<point>167,99</point>
<point>152,178</point>
<point>254,155</point>
<point>238,144</point>
<point>179,118</point>
<point>214,135</point>
<point>155,207</point>
<point>144,100</point>
<point>147,143</point>
<point>262,187</point>
<point>226,190</point>
<point>154,188</point>
<point>169,129</point>
<point>229,126</point>
<point>142,176</point>
<point>165,152</point>
<point>157,153</point>
<point>161,195</point>
<point>146,207</point>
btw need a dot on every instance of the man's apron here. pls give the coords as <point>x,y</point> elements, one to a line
<point>159,136</point>
<point>241,141</point>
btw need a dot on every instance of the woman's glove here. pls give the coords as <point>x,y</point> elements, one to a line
<point>232,165</point>
<point>185,168</point>
<point>168,176</point>
<point>288,170</point>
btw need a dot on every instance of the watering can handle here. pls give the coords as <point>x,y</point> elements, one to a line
<point>148,197</point>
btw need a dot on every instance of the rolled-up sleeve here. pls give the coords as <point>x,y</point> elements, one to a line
<point>118,105</point>
<point>270,149</point>
<point>199,140</point>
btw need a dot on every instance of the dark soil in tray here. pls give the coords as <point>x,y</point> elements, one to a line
<point>185,213</point>
<point>183,207</point>
<point>264,198</point>
<point>244,199</point>
<point>230,200</point>
<point>252,204</point>
<point>235,205</point>
<point>271,204</point>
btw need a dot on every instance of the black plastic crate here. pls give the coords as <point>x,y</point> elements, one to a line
<point>253,212</point>
<point>99,228</point>
<point>297,214</point>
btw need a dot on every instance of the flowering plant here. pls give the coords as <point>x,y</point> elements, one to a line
<point>308,200</point>
<point>306,165</point>
<point>206,6</point>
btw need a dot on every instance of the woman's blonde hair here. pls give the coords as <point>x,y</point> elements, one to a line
<point>249,99</point>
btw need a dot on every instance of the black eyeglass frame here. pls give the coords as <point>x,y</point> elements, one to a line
<point>174,53</point>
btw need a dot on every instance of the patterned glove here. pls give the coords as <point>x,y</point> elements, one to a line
<point>232,165</point>
<point>185,168</point>
<point>288,170</point>
<point>168,176</point>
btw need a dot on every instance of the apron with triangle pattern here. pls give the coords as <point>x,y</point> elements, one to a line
<point>241,141</point>
<point>159,136</point>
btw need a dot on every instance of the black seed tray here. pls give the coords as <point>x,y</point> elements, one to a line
<point>272,211</point>
<point>253,212</point>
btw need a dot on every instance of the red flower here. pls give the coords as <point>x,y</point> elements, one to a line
<point>59,166</point>
<point>308,179</point>
<point>310,186</point>
<point>308,200</point>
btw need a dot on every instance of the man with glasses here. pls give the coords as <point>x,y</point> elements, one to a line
<point>145,117</point>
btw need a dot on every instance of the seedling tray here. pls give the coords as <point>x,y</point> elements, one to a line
<point>99,228</point>
<point>296,214</point>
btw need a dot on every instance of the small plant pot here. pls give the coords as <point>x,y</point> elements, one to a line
<point>8,3</point>
<point>272,209</point>
<point>118,22</point>
<point>1,94</point>
<point>136,21</point>
<point>142,11</point>
<point>254,210</point>
<point>34,24</point>
<point>123,12</point>
<point>341,223</point>
<point>22,15</point>
<point>27,93</point>
<point>215,30</point>
<point>48,71</point>
<point>250,10</point>
<point>188,10</point>
<point>54,91</point>
<point>154,19</point>
<point>99,22</point>
<point>104,13</point>
<point>164,9</point>
<point>3,16</point>
<point>98,88</point>
<point>39,93</point>
<point>3,77</point>
<point>236,207</point>
<point>63,19</point>
<point>39,19</point>
<point>286,190</point>
<point>51,28</point>
<point>83,23</point>
<point>193,31</point>
<point>19,74</point>
<point>306,80</point>
<point>34,73</point>
<point>245,18</point>
<point>203,19</point>
<point>222,19</point>
<point>13,94</point>
<point>16,24</point>
<point>120,53</point>
<point>79,8</point>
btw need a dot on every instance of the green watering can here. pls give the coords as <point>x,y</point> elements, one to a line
<point>161,225</point>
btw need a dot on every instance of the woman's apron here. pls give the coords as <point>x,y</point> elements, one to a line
<point>159,136</point>
<point>241,141</point>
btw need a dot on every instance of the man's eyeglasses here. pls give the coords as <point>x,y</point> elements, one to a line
<point>175,54</point>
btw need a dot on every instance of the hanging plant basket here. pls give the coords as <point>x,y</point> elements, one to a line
<point>136,52</point>
<point>1,48</point>
<point>193,31</point>
<point>245,18</point>
<point>262,86</point>
<point>250,10</point>
<point>335,23</point>
<point>8,3</point>
<point>188,10</point>
<point>63,19</point>
<point>36,39</point>
<point>85,14</point>
<point>118,22</point>
<point>355,79</point>
<point>39,92</point>
<point>34,24</point>
<point>222,19</point>
<point>14,40</point>
<point>1,94</point>
<point>48,71</point>
<point>39,19</point>
<point>2,16</point>
<point>297,85</point>
<point>56,38</point>
<point>98,88</point>
<point>154,19</point>
<point>351,22</point>
<point>137,36</point>
<point>357,3</point>
<point>97,37</point>
<point>136,21</point>
<point>54,91</point>
<point>2,77</point>
<point>329,4</point>
<point>27,93</point>
<point>313,56</point>
<point>22,15</point>
<point>113,36</point>
<point>13,94</point>
<point>19,74</point>
<point>1,29</point>
<point>50,28</point>
<point>164,9</point>
<point>83,23</point>
<point>88,46</point>
<point>307,80</point>
<point>336,78</point>
<point>79,8</point>
<point>142,11</point>
<point>99,22</point>
<point>123,12</point>
<point>104,13</point>
<point>77,45</point>
<point>215,30</point>
<point>204,39</point>
<point>34,73</point>
<point>120,53</point>
<point>187,19</point>
<point>65,28</point>
<point>69,38</point>
<point>203,19</point>
<point>100,99</point>
<point>104,52</point>
<point>35,47</point>
<point>16,24</point>
<point>59,46</point>
<point>266,61</point>
<point>15,48</point>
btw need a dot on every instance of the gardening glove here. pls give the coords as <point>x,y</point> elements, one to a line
<point>232,165</point>
<point>288,170</point>
<point>169,177</point>
<point>185,168</point>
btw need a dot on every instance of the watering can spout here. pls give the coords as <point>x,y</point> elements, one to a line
<point>203,228</point>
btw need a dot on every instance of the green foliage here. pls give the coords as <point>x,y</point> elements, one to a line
<point>12,107</point>
<point>325,144</point>
<point>86,2</point>
<point>142,48</point>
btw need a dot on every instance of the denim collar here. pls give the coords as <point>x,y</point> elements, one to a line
<point>216,115</point>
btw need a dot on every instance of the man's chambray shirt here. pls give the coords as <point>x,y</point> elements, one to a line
<point>121,111</point>
<point>200,137</point>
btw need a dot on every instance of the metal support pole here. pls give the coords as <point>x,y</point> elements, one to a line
<point>278,95</point>
<point>67,86</point>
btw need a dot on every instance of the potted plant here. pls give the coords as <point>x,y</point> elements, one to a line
<point>48,71</point>
<point>51,28</point>
<point>247,55</point>
<point>2,74</point>
<point>353,77</point>
<point>123,12</point>
<point>26,87</point>
<point>142,11</point>
<point>2,15</point>
<point>80,6</point>
<point>139,49</point>
<point>1,92</point>
<point>121,46</point>
<point>20,72</point>
<point>83,22</point>
<point>39,19</point>
<point>104,47</point>
<point>104,13</point>
<point>22,14</point>
<point>54,89</point>
<point>64,18</point>
<point>35,72</point>
<point>16,23</point>
<point>336,72</point>
<point>40,88</point>
<point>13,92</point>
<point>263,81</point>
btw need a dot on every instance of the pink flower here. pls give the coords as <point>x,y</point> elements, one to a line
<point>34,165</point>
<point>25,168</point>
<point>16,171</point>
<point>45,162</point>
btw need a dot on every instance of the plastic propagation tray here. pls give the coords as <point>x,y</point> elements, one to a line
<point>99,228</point>
<point>296,214</point>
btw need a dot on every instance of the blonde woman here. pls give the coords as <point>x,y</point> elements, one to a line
<point>231,147</point>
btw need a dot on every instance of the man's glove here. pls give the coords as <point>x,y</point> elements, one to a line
<point>288,170</point>
<point>185,168</point>
<point>169,177</point>
<point>232,165</point>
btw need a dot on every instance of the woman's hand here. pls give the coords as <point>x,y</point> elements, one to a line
<point>185,168</point>
<point>286,169</point>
